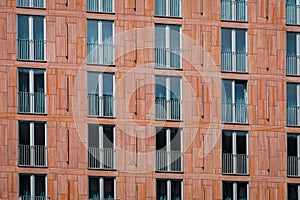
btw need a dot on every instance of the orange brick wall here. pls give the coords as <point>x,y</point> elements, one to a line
<point>135,175</point>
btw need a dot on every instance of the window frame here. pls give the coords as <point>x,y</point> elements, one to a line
<point>32,184</point>
<point>169,187</point>
<point>102,185</point>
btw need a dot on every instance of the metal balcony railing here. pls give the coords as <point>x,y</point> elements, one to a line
<point>170,161</point>
<point>168,109</point>
<point>292,12</point>
<point>106,6</point>
<point>234,163</point>
<point>292,115</point>
<point>234,113</point>
<point>234,10</point>
<point>234,61</point>
<point>31,49</point>
<point>168,58</point>
<point>28,197</point>
<point>103,198</point>
<point>101,54</point>
<point>31,102</point>
<point>35,156</point>
<point>31,3</point>
<point>172,10</point>
<point>101,106</point>
<point>292,64</point>
<point>101,158</point>
<point>293,166</point>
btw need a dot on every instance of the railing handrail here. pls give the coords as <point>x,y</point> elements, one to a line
<point>100,44</point>
<point>26,197</point>
<point>31,40</point>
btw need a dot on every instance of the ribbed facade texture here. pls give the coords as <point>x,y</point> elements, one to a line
<point>149,99</point>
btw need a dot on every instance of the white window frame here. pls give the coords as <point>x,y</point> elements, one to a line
<point>298,101</point>
<point>169,187</point>
<point>31,89</point>
<point>30,36</point>
<point>101,185</point>
<point>32,184</point>
<point>234,192</point>
<point>32,143</point>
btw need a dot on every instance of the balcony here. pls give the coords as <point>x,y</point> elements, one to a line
<point>35,156</point>
<point>292,166</point>
<point>169,161</point>
<point>168,8</point>
<point>234,10</point>
<point>28,197</point>
<point>31,102</point>
<point>235,113</point>
<point>234,61</point>
<point>100,54</point>
<point>101,158</point>
<point>106,6</point>
<point>234,163</point>
<point>292,115</point>
<point>168,58</point>
<point>292,13</point>
<point>292,64</point>
<point>168,109</point>
<point>101,106</point>
<point>31,3</point>
<point>33,50</point>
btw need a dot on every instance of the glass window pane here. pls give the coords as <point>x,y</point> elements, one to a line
<point>160,87</point>
<point>39,81</point>
<point>24,80</point>
<point>39,134</point>
<point>227,142</point>
<point>175,190</point>
<point>93,80</point>
<point>24,133</point>
<point>24,185</point>
<point>161,190</point>
<point>292,145</point>
<point>175,37</point>
<point>227,191</point>
<point>161,139</point>
<point>109,188</point>
<point>108,136</point>
<point>107,28</point>
<point>291,43</point>
<point>175,139</point>
<point>92,31</point>
<point>94,189</point>
<point>23,27</point>
<point>292,192</point>
<point>38,28</point>
<point>226,40</point>
<point>40,186</point>
<point>175,90</point>
<point>107,84</point>
<point>160,36</point>
<point>291,94</point>
<point>240,92</point>
<point>241,145</point>
<point>93,130</point>
<point>240,40</point>
<point>242,191</point>
<point>227,91</point>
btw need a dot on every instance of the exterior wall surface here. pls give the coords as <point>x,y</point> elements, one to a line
<point>135,123</point>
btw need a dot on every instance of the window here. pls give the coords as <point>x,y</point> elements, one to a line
<point>235,191</point>
<point>32,144</point>
<point>293,53</point>
<point>234,10</point>
<point>31,38</point>
<point>293,192</point>
<point>169,156</point>
<point>101,146</point>
<point>33,186</point>
<point>168,8</point>
<point>235,152</point>
<point>168,46</point>
<point>105,6</point>
<point>101,94</point>
<point>168,103</point>
<point>293,12</point>
<point>100,46</point>
<point>234,101</point>
<point>234,50</point>
<point>31,3</point>
<point>101,188</point>
<point>32,91</point>
<point>293,104</point>
<point>169,189</point>
<point>293,154</point>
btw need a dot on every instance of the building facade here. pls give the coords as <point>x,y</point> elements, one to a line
<point>149,99</point>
